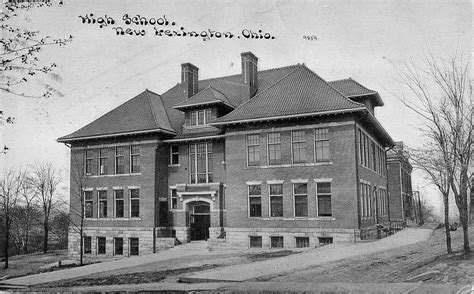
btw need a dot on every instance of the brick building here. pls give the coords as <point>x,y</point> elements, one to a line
<point>402,204</point>
<point>264,158</point>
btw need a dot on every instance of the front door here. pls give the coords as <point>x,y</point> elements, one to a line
<point>200,222</point>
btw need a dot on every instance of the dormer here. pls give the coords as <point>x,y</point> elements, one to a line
<point>358,93</point>
<point>204,107</point>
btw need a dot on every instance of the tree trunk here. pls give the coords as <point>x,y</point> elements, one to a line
<point>7,237</point>
<point>446,224</point>
<point>463,217</point>
<point>45,239</point>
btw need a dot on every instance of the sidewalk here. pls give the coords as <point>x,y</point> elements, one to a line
<point>243,272</point>
<point>236,272</point>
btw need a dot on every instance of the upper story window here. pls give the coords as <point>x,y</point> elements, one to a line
<point>174,199</point>
<point>255,200</point>
<point>88,204</point>
<point>174,155</point>
<point>200,163</point>
<point>298,146</point>
<point>200,117</point>
<point>102,195</point>
<point>321,144</point>
<point>120,160</point>
<point>324,199</point>
<point>300,192</point>
<point>253,150</point>
<point>274,148</point>
<point>102,161</point>
<point>135,159</point>
<point>119,207</point>
<point>134,202</point>
<point>89,160</point>
<point>276,200</point>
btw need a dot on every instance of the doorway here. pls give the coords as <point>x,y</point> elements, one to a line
<point>200,220</point>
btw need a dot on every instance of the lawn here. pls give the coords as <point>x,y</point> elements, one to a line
<point>22,265</point>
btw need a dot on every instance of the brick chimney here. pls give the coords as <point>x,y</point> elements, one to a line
<point>189,77</point>
<point>249,75</point>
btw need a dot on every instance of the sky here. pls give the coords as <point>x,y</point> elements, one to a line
<point>99,70</point>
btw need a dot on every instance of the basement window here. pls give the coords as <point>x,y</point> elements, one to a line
<point>118,244</point>
<point>134,246</point>
<point>302,242</point>
<point>276,242</point>
<point>255,241</point>
<point>87,244</point>
<point>325,240</point>
<point>101,245</point>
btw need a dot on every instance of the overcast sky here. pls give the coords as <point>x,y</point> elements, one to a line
<point>365,40</point>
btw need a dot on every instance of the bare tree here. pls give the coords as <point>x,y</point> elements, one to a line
<point>44,180</point>
<point>442,92</point>
<point>10,191</point>
<point>28,199</point>
<point>433,163</point>
<point>78,205</point>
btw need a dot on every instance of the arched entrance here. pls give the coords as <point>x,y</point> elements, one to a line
<point>199,219</point>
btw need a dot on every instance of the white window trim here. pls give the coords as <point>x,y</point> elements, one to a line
<point>321,180</point>
<point>294,199</point>
<point>206,152</point>
<point>251,183</point>
<point>291,142</point>
<point>268,148</point>
<point>130,201</point>
<point>317,205</point>
<point>98,163</point>
<point>130,158</point>
<point>299,181</point>
<point>248,201</point>
<point>275,182</point>
<point>247,148</point>
<point>115,201</point>
<point>314,144</point>
<point>99,200</point>
<point>171,155</point>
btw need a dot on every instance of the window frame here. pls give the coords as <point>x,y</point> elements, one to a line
<point>274,144</point>
<point>253,144</point>
<point>102,159</point>
<point>87,245</point>
<point>322,140</point>
<point>209,166</point>
<point>132,199</point>
<point>88,162</point>
<point>119,157</point>
<point>301,238</point>
<point>252,240</point>
<point>295,142</point>
<point>119,200</point>
<point>173,154</point>
<point>194,117</point>
<point>88,201</point>
<point>99,252</point>
<point>135,156</point>
<point>259,196</point>
<point>131,251</point>
<point>102,200</point>
<point>115,245</point>
<point>275,196</point>
<point>174,198</point>
<point>281,241</point>
<point>300,195</point>
<point>324,194</point>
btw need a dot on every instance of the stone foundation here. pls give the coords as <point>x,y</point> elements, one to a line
<point>240,236</point>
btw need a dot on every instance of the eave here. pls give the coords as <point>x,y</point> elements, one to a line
<point>83,138</point>
<point>194,139</point>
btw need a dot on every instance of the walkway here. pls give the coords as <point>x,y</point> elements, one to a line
<point>242,272</point>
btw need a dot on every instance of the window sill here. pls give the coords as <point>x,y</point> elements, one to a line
<point>290,165</point>
<point>113,219</point>
<point>173,165</point>
<point>294,218</point>
<point>114,175</point>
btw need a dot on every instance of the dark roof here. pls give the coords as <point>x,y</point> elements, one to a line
<point>353,89</point>
<point>301,92</point>
<point>145,112</point>
<point>206,97</point>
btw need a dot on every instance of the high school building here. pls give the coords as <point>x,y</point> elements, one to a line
<point>265,158</point>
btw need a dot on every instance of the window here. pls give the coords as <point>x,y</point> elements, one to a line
<point>276,200</point>
<point>88,204</point>
<point>101,245</point>
<point>102,203</point>
<point>255,200</point>
<point>276,242</point>
<point>300,192</point>
<point>118,195</point>
<point>383,201</point>
<point>374,157</point>
<point>324,199</point>
<point>201,167</point>
<point>102,161</point>
<point>134,246</point>
<point>200,117</point>
<point>253,150</point>
<point>255,241</point>
<point>366,203</point>
<point>134,203</point>
<point>321,144</point>
<point>89,159</point>
<point>325,240</point>
<point>274,148</point>
<point>119,160</point>
<point>174,155</point>
<point>302,242</point>
<point>298,145</point>
<point>118,246</point>
<point>134,159</point>
<point>174,199</point>
<point>87,245</point>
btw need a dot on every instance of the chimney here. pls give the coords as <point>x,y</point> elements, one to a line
<point>189,77</point>
<point>249,75</point>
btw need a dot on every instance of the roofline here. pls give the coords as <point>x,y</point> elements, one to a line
<point>201,103</point>
<point>65,140</point>
<point>194,139</point>
<point>380,127</point>
<point>373,93</point>
<point>291,116</point>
